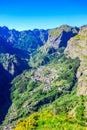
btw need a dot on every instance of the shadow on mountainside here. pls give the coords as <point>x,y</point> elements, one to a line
<point>5,101</point>
<point>8,48</point>
<point>5,85</point>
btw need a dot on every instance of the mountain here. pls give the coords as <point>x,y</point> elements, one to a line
<point>24,40</point>
<point>58,37</point>
<point>6,47</point>
<point>10,66</point>
<point>77,47</point>
<point>31,40</point>
<point>43,78</point>
<point>33,89</point>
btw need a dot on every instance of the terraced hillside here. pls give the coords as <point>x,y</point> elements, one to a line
<point>46,76</point>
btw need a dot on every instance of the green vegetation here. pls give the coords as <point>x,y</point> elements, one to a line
<point>79,36</point>
<point>59,115</point>
<point>68,104</point>
<point>39,58</point>
<point>42,84</point>
<point>28,37</point>
<point>65,28</point>
<point>43,94</point>
<point>54,33</point>
<point>46,120</point>
<point>13,64</point>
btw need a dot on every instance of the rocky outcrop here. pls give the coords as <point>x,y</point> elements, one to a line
<point>77,47</point>
<point>32,40</point>
<point>7,48</point>
<point>13,64</point>
<point>24,40</point>
<point>58,37</point>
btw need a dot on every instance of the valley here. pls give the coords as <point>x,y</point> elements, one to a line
<point>43,81</point>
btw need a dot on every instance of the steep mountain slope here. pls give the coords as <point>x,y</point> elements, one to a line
<point>24,40</point>
<point>77,47</point>
<point>52,68</point>
<point>42,85</point>
<point>6,47</point>
<point>31,40</point>
<point>5,101</point>
<point>13,64</point>
<point>46,120</point>
<point>58,37</point>
<point>10,66</point>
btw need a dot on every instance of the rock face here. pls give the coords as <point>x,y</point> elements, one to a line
<point>58,37</point>
<point>13,64</point>
<point>77,47</point>
<point>7,48</point>
<point>5,101</point>
<point>32,40</point>
<point>17,49</point>
<point>24,40</point>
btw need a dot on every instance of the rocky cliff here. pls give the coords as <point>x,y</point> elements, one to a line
<point>77,47</point>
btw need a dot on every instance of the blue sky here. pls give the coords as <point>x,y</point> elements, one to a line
<point>30,14</point>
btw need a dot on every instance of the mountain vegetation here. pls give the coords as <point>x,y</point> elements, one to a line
<point>43,81</point>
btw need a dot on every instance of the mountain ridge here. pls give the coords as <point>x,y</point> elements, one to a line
<point>44,67</point>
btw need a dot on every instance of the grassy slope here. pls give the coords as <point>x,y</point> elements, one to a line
<point>42,85</point>
<point>70,110</point>
<point>48,121</point>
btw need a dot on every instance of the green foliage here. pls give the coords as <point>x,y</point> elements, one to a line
<point>63,105</point>
<point>67,76</point>
<point>44,84</point>
<point>67,28</point>
<point>36,59</point>
<point>78,36</point>
<point>80,109</point>
<point>54,33</point>
<point>28,41</point>
<point>49,87</point>
<point>39,58</point>
<point>46,120</point>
